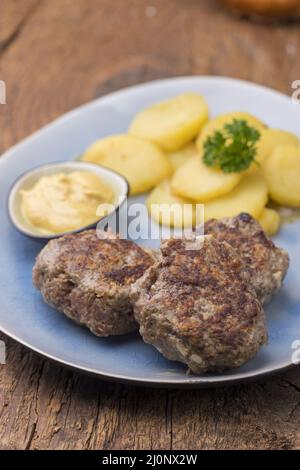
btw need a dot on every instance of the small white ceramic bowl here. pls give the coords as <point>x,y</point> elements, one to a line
<point>27,180</point>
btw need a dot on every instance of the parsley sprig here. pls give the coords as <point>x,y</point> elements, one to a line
<point>233,149</point>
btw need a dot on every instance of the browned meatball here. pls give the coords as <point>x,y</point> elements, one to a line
<point>198,307</point>
<point>264,261</point>
<point>88,279</point>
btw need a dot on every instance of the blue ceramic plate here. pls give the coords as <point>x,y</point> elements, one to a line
<point>25,317</point>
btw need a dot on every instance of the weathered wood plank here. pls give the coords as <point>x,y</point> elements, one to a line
<point>44,406</point>
<point>13,16</point>
<point>75,51</point>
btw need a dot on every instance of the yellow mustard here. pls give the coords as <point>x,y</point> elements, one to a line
<point>65,201</point>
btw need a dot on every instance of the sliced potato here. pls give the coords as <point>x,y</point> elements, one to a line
<point>272,138</point>
<point>270,221</point>
<point>194,180</point>
<point>173,123</point>
<point>168,209</point>
<point>142,163</point>
<point>218,123</point>
<point>181,156</point>
<point>282,173</point>
<point>250,195</point>
<point>269,140</point>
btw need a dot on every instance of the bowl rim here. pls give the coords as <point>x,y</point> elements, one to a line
<point>94,168</point>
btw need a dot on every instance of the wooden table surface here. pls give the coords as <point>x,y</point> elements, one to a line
<point>58,54</point>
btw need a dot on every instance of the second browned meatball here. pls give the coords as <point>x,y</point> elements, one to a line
<point>197,306</point>
<point>265,263</point>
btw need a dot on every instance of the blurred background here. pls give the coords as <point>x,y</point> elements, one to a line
<point>57,54</point>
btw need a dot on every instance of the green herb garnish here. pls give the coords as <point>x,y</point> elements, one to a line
<point>233,149</point>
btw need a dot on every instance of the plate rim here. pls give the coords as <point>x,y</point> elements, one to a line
<point>195,381</point>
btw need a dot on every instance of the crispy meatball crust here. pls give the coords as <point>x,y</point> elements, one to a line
<point>197,306</point>
<point>89,279</point>
<point>264,261</point>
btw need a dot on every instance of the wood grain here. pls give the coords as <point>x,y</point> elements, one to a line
<point>13,15</point>
<point>55,55</point>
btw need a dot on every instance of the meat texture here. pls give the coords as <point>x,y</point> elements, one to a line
<point>88,278</point>
<point>265,263</point>
<point>198,307</point>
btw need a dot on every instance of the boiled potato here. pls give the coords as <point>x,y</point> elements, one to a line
<point>272,138</point>
<point>218,123</point>
<point>269,140</point>
<point>282,173</point>
<point>173,123</point>
<point>181,156</point>
<point>171,210</point>
<point>194,180</point>
<point>250,195</point>
<point>270,221</point>
<point>142,163</point>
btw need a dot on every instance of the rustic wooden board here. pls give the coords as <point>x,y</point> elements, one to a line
<point>55,55</point>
